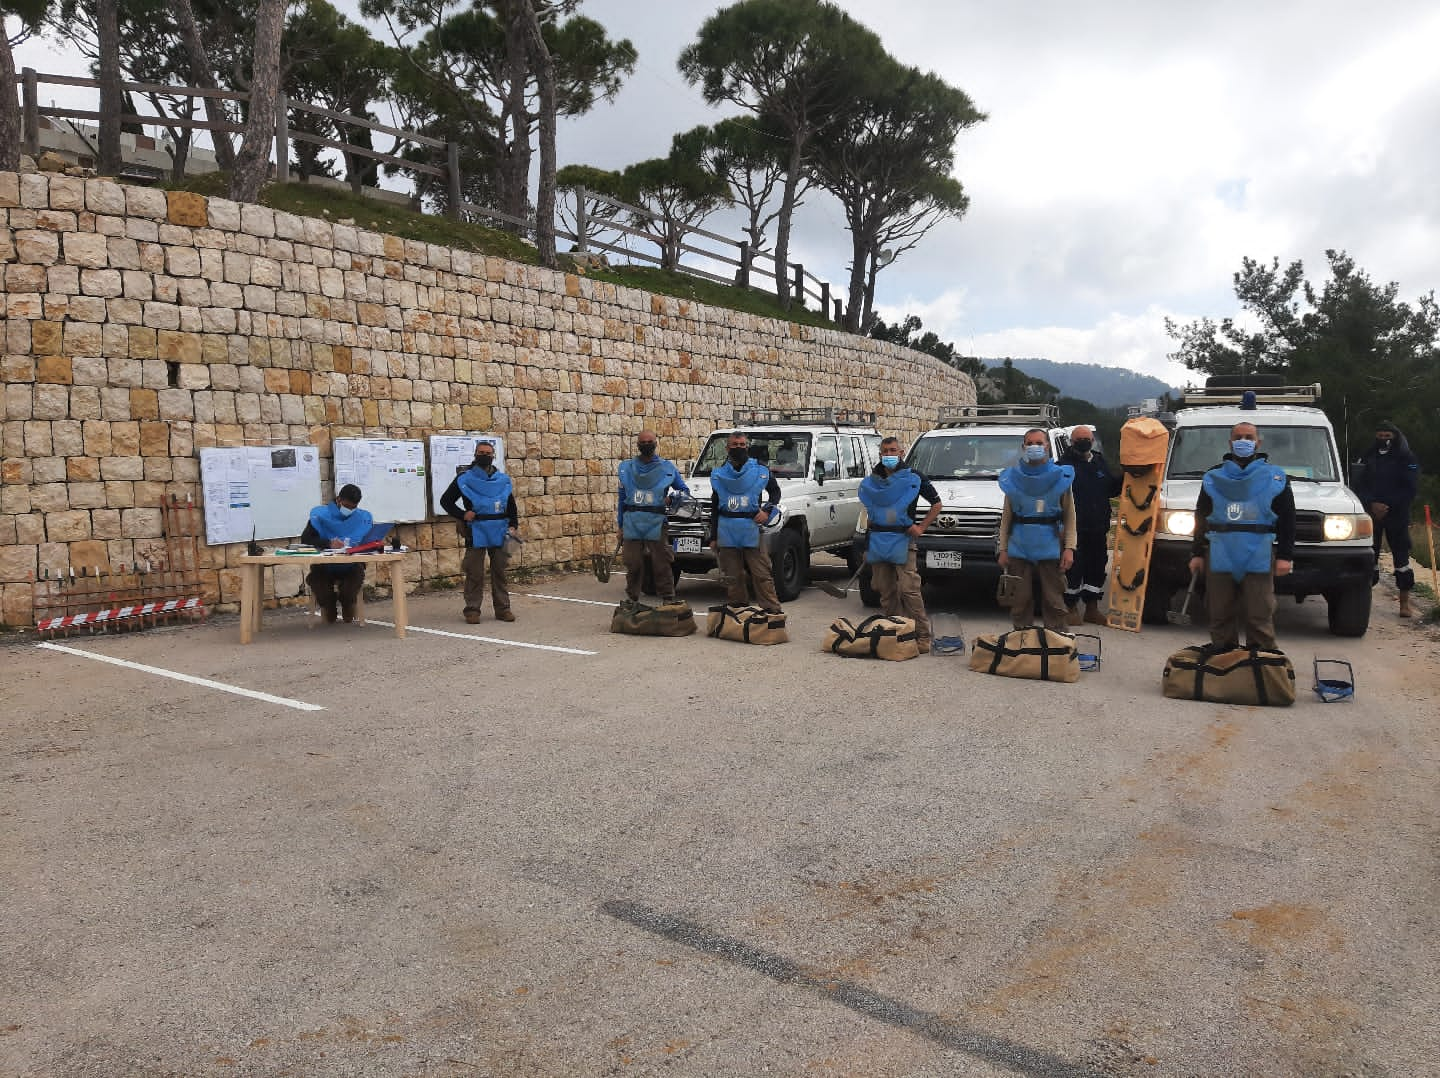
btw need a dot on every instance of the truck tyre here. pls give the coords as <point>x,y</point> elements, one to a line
<point>1349,610</point>
<point>789,564</point>
<point>854,557</point>
<point>868,595</point>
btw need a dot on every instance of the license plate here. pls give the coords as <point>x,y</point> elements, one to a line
<point>687,544</point>
<point>942,559</point>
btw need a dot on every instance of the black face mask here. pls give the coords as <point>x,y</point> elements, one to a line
<point>738,457</point>
<point>485,461</point>
<point>647,449</point>
<point>1083,445</point>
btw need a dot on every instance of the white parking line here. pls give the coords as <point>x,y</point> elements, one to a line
<point>562,598</point>
<point>483,639</point>
<point>284,701</point>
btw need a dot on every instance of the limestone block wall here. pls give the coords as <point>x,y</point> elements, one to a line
<point>141,325</point>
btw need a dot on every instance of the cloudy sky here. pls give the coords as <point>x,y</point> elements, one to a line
<point>1134,153</point>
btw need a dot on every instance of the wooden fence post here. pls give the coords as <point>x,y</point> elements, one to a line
<point>282,138</point>
<point>825,299</point>
<point>30,111</point>
<point>839,312</point>
<point>799,269</point>
<point>582,224</point>
<point>452,179</point>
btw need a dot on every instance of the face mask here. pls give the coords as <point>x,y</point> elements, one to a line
<point>485,461</point>
<point>890,462</point>
<point>1243,447</point>
<point>647,449</point>
<point>1083,445</point>
<point>738,457</point>
<point>1382,444</point>
<point>1034,454</point>
<point>345,511</point>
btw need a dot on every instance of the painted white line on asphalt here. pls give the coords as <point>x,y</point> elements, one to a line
<point>562,598</point>
<point>284,701</point>
<point>483,639</point>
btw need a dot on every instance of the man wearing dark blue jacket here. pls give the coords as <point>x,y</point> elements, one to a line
<point>1388,480</point>
<point>1093,488</point>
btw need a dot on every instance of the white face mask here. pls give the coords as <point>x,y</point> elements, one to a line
<point>345,511</point>
<point>1243,447</point>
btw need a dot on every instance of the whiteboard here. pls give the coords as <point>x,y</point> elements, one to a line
<point>451,454</point>
<point>259,492</point>
<point>390,473</point>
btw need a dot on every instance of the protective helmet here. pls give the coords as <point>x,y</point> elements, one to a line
<point>777,519</point>
<point>685,509</point>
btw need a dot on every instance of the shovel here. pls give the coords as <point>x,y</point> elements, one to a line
<point>840,593</point>
<point>1183,617</point>
<point>601,562</point>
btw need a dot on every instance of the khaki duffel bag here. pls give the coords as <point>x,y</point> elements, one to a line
<point>668,619</point>
<point>747,624</point>
<point>1241,676</point>
<point>1035,653</point>
<point>877,637</point>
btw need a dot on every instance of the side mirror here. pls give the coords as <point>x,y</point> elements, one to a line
<point>820,472</point>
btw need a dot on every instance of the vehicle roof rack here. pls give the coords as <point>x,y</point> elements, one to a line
<point>1193,396</point>
<point>970,415</point>
<point>835,417</point>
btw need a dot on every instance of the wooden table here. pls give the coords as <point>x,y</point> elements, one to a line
<point>252,582</point>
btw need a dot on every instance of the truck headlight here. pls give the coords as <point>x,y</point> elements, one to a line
<point>1342,526</point>
<point>1179,522</point>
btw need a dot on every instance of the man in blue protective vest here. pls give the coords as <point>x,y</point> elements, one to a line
<point>1245,521</point>
<point>1037,531</point>
<point>646,481</point>
<point>743,494</point>
<point>335,526</point>
<point>1094,486</point>
<point>1388,482</point>
<point>489,516</point>
<point>890,494</point>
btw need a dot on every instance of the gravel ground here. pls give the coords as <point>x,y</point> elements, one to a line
<point>690,857</point>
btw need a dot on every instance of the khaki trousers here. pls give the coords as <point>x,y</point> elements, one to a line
<point>662,560</point>
<point>474,566</point>
<point>735,562</point>
<point>899,588</point>
<point>1046,578</point>
<point>1248,604</point>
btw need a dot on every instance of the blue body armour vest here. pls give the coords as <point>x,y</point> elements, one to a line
<point>1241,524</point>
<point>739,499</point>
<point>328,522</point>
<point>887,502</point>
<point>645,484</point>
<point>489,497</point>
<point>1037,523</point>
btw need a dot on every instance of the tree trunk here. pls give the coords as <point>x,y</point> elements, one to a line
<point>782,223</point>
<point>10,134</point>
<point>544,66</point>
<point>203,75</point>
<point>112,99</point>
<point>180,154</point>
<point>514,121</point>
<point>872,267</point>
<point>253,161</point>
<point>855,301</point>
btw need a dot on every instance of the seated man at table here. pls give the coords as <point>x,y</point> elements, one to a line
<point>335,526</point>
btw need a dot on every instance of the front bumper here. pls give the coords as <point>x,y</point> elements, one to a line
<point>1317,568</point>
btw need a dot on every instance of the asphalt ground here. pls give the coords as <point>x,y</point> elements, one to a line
<point>693,857</point>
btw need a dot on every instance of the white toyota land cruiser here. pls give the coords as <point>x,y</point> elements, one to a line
<point>1333,553</point>
<point>818,456</point>
<point>963,457</point>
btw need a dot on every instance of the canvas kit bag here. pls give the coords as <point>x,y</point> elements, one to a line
<point>1035,653</point>
<point>668,619</point>
<point>746,624</point>
<point>877,637</point>
<point>1240,676</point>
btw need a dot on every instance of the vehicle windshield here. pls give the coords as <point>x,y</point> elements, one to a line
<point>964,455</point>
<point>785,453</point>
<point>1303,452</point>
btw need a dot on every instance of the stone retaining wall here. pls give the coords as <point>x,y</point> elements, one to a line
<point>142,325</point>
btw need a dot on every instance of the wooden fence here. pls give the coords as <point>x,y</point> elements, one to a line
<point>751,268</point>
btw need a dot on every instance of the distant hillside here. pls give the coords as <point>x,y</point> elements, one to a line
<point>1105,387</point>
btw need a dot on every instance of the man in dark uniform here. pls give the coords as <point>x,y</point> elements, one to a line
<point>1388,481</point>
<point>1245,523</point>
<point>1093,488</point>
<point>890,495</point>
<point>488,517</point>
<point>743,494</point>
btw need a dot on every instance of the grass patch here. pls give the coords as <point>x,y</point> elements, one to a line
<point>335,204</point>
<point>1419,545</point>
